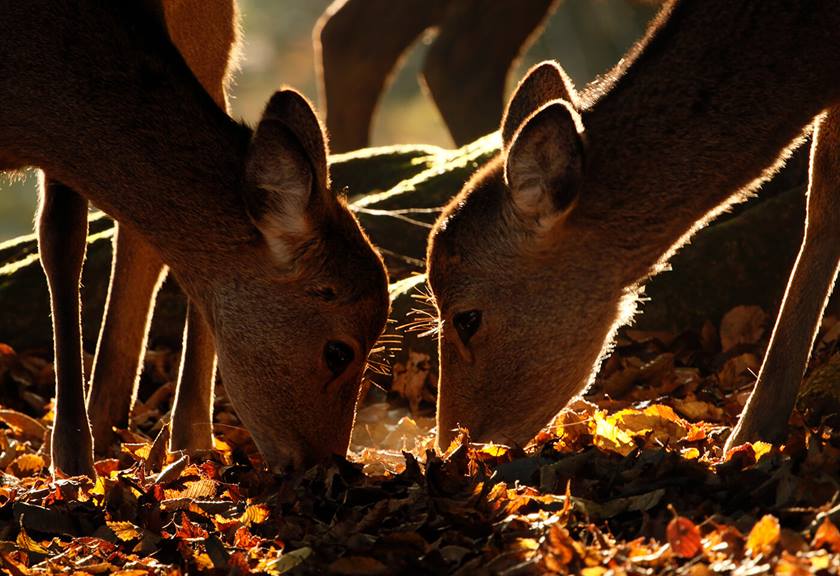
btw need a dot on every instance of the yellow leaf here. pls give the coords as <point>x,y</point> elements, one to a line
<point>493,450</point>
<point>221,446</point>
<point>125,531</point>
<point>138,451</point>
<point>527,544</point>
<point>593,571</point>
<point>659,423</point>
<point>821,561</point>
<point>610,437</point>
<point>761,449</point>
<point>690,453</point>
<point>255,514</point>
<point>26,543</point>
<point>764,536</point>
<point>98,488</point>
<point>203,561</point>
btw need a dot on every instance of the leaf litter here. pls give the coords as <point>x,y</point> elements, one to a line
<point>631,480</point>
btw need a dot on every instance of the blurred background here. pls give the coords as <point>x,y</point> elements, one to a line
<point>586,36</point>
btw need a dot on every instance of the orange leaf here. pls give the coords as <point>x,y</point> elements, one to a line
<point>827,535</point>
<point>764,536</point>
<point>244,539</point>
<point>27,465</point>
<point>190,530</point>
<point>255,514</point>
<point>561,546</point>
<point>684,537</point>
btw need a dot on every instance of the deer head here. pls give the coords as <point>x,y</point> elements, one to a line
<point>525,299</point>
<point>297,309</point>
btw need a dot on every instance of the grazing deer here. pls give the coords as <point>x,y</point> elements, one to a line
<point>359,44</point>
<point>293,293</point>
<point>207,37</point>
<point>541,257</point>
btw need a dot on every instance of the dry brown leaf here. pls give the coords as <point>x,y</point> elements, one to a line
<point>22,424</point>
<point>27,465</point>
<point>742,325</point>
<point>358,566</point>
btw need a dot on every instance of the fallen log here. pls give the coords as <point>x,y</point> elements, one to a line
<point>744,258</point>
<point>374,179</point>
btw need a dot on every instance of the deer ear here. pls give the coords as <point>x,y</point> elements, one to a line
<point>543,83</point>
<point>544,166</point>
<point>286,172</point>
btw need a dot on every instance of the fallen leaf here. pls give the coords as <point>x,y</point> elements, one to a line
<point>827,535</point>
<point>22,424</point>
<point>742,325</point>
<point>124,530</point>
<point>764,536</point>
<point>684,537</point>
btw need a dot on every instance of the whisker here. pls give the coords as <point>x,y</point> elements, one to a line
<point>371,382</point>
<point>383,351</point>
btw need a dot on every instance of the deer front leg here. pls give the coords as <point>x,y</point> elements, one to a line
<point>468,63</point>
<point>62,240</point>
<point>766,414</point>
<point>358,43</point>
<point>192,413</point>
<point>136,275</point>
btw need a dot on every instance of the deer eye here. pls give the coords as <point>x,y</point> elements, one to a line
<point>326,293</point>
<point>338,356</point>
<point>467,324</point>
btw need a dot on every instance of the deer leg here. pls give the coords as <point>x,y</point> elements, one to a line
<point>192,413</point>
<point>771,402</point>
<point>136,275</point>
<point>62,240</point>
<point>358,44</point>
<point>468,63</point>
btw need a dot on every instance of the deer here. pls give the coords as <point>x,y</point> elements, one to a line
<point>359,44</point>
<point>544,252</point>
<point>210,46</point>
<point>292,293</point>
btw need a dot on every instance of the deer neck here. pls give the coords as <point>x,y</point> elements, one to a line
<point>701,113</point>
<point>104,103</point>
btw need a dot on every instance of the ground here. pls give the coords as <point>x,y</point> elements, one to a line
<point>629,480</point>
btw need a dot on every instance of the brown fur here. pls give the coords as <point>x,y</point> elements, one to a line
<point>113,111</point>
<point>695,118</point>
<point>209,46</point>
<point>360,43</point>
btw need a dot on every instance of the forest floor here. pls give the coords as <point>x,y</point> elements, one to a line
<point>631,480</point>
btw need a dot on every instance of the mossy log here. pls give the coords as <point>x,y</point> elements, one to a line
<point>744,258</point>
<point>373,179</point>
